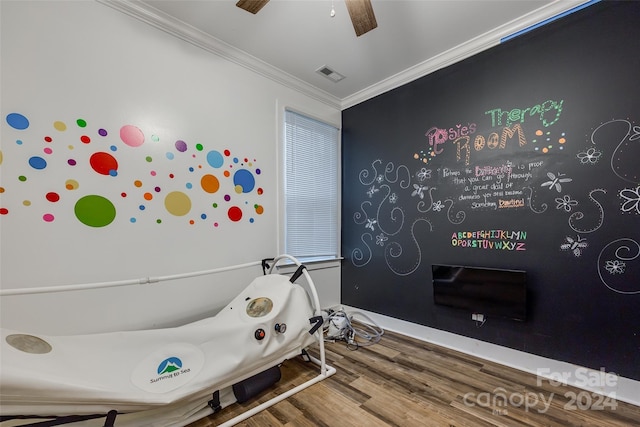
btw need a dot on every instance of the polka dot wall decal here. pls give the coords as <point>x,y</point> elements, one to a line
<point>85,139</point>
<point>58,125</point>
<point>71,184</point>
<point>210,183</point>
<point>26,202</point>
<point>181,146</point>
<point>155,138</point>
<point>48,150</point>
<point>177,203</point>
<point>95,211</point>
<point>137,183</point>
<point>227,153</point>
<point>1,157</point>
<point>104,163</point>
<point>234,213</point>
<point>22,178</point>
<point>48,217</point>
<point>81,123</point>
<point>52,197</point>
<point>71,162</point>
<point>102,132</point>
<point>199,147</point>
<point>131,135</point>
<point>170,156</point>
<point>37,162</point>
<point>215,159</point>
<point>113,148</point>
<point>244,179</point>
<point>4,211</point>
<point>17,121</point>
<point>47,139</point>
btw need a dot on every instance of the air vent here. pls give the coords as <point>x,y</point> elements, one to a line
<point>330,74</point>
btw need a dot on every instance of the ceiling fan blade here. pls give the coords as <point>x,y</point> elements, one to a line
<point>252,6</point>
<point>362,16</point>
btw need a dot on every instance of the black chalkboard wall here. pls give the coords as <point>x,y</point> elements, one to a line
<point>525,156</point>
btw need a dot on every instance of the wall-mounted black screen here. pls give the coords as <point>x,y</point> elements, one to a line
<point>488,291</point>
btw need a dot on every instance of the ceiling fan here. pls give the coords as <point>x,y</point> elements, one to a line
<point>360,11</point>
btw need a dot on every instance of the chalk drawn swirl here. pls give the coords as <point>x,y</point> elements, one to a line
<point>577,216</point>
<point>622,250</point>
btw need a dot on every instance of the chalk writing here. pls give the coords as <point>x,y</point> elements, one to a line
<point>490,239</point>
<point>548,113</point>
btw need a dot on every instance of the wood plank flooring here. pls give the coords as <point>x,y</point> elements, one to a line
<point>405,382</point>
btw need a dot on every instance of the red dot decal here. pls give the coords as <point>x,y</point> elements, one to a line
<point>103,163</point>
<point>53,197</point>
<point>235,213</point>
<point>4,211</point>
<point>85,139</point>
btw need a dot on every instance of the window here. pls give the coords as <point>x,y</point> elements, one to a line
<point>310,187</point>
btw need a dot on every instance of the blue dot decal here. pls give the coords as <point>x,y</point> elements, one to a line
<point>37,162</point>
<point>215,159</point>
<point>17,121</point>
<point>244,179</point>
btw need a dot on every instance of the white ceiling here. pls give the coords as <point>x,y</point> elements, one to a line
<point>290,39</point>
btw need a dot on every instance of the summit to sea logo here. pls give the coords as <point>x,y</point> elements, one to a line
<point>169,365</point>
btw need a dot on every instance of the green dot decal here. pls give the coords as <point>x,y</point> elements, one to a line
<point>95,211</point>
<point>81,123</point>
<point>199,147</point>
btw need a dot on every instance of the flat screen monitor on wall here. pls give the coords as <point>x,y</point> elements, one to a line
<point>489,291</point>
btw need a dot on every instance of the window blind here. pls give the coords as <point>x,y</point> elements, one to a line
<point>311,187</point>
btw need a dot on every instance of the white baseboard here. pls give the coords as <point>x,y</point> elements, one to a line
<point>620,388</point>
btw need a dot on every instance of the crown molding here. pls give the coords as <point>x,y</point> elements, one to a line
<point>160,20</point>
<point>464,50</point>
<point>183,31</point>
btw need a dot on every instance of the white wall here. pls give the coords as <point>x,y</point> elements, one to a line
<point>63,61</point>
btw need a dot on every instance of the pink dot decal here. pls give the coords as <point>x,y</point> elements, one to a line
<point>131,135</point>
<point>104,163</point>
<point>48,218</point>
<point>235,213</point>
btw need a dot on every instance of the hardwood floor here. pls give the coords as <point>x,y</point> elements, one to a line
<point>405,382</point>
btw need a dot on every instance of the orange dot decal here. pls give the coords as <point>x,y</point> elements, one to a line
<point>210,183</point>
<point>148,196</point>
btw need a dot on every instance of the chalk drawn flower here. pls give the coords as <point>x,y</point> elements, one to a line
<point>370,224</point>
<point>590,156</point>
<point>438,206</point>
<point>566,203</point>
<point>574,245</point>
<point>380,239</point>
<point>418,191</point>
<point>615,266</point>
<point>380,179</point>
<point>631,199</point>
<point>423,174</point>
<point>373,190</point>
<point>393,198</point>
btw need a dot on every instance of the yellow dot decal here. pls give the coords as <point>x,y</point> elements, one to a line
<point>177,203</point>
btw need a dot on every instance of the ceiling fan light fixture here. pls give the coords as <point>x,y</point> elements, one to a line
<point>330,74</point>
